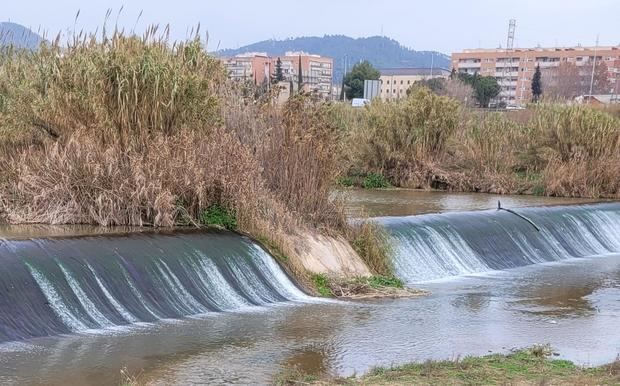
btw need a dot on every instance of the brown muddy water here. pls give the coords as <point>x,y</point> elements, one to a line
<point>407,202</point>
<point>573,305</point>
<point>496,283</point>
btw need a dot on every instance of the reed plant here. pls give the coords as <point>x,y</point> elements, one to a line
<point>127,130</point>
<point>402,139</point>
<point>428,141</point>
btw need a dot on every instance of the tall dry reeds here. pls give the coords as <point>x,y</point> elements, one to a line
<point>404,139</point>
<point>426,141</point>
<point>128,130</point>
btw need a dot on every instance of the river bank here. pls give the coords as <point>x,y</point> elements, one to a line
<point>428,141</point>
<point>532,366</point>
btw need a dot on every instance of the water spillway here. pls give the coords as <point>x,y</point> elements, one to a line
<point>62,285</point>
<point>430,247</point>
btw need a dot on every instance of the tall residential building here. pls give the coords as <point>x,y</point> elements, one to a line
<point>251,66</point>
<point>317,71</point>
<point>396,81</point>
<point>514,69</point>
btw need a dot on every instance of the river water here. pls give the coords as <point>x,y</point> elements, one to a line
<point>572,304</point>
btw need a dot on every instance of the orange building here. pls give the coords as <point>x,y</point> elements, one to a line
<point>514,69</point>
<point>317,71</point>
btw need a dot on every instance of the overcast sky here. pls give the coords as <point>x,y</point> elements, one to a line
<point>444,26</point>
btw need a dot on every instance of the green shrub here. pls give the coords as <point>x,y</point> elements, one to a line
<point>375,181</point>
<point>217,215</point>
<point>538,190</point>
<point>345,181</point>
<point>385,281</point>
<point>371,241</point>
<point>322,285</point>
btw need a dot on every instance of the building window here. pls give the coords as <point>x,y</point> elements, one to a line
<point>388,82</point>
<point>401,82</point>
<point>394,91</point>
<point>408,82</point>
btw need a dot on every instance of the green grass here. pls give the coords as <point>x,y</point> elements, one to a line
<point>385,281</point>
<point>525,367</point>
<point>219,216</point>
<point>321,282</point>
<point>345,181</point>
<point>375,181</point>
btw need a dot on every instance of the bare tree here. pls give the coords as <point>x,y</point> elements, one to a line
<point>460,91</point>
<point>562,82</point>
<point>601,79</point>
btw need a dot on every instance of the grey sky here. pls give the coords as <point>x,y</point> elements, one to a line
<point>445,25</point>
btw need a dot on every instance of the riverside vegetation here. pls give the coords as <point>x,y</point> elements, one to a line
<point>428,141</point>
<point>531,366</point>
<point>127,130</point>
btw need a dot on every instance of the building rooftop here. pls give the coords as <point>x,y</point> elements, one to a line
<point>539,49</point>
<point>413,71</point>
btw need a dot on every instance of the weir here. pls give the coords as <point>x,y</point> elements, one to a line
<point>430,247</point>
<point>63,285</point>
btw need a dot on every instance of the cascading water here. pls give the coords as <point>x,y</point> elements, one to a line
<point>61,285</point>
<point>430,247</point>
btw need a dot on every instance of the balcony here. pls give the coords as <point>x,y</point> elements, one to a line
<point>469,65</point>
<point>548,64</point>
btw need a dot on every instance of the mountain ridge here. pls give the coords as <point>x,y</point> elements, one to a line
<point>381,52</point>
<point>18,36</point>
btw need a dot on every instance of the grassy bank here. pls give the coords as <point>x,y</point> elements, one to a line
<point>431,142</point>
<point>526,367</point>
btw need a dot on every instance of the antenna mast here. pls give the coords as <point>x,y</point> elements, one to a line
<point>512,25</point>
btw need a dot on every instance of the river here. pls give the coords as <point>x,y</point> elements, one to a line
<point>571,303</point>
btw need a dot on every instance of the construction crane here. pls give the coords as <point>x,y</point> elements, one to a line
<point>512,25</point>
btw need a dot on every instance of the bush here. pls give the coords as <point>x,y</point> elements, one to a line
<point>140,131</point>
<point>371,241</point>
<point>375,181</point>
<point>397,138</point>
<point>385,281</point>
<point>321,283</point>
<point>345,181</point>
<point>216,215</point>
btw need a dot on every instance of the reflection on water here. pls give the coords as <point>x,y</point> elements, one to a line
<point>312,361</point>
<point>27,231</point>
<point>404,202</point>
<point>472,302</point>
<point>468,315</point>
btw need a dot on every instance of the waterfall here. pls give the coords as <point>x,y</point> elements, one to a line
<point>61,285</point>
<point>434,246</point>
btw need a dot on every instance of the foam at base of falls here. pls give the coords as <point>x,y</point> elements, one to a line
<point>430,247</point>
<point>63,285</point>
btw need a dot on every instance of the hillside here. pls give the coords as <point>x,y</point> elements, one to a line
<point>382,52</point>
<point>18,36</point>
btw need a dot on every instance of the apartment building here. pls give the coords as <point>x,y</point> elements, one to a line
<point>514,69</point>
<point>396,81</point>
<point>251,66</point>
<point>317,71</point>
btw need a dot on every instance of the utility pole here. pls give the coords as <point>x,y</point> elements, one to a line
<point>344,96</point>
<point>593,67</point>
